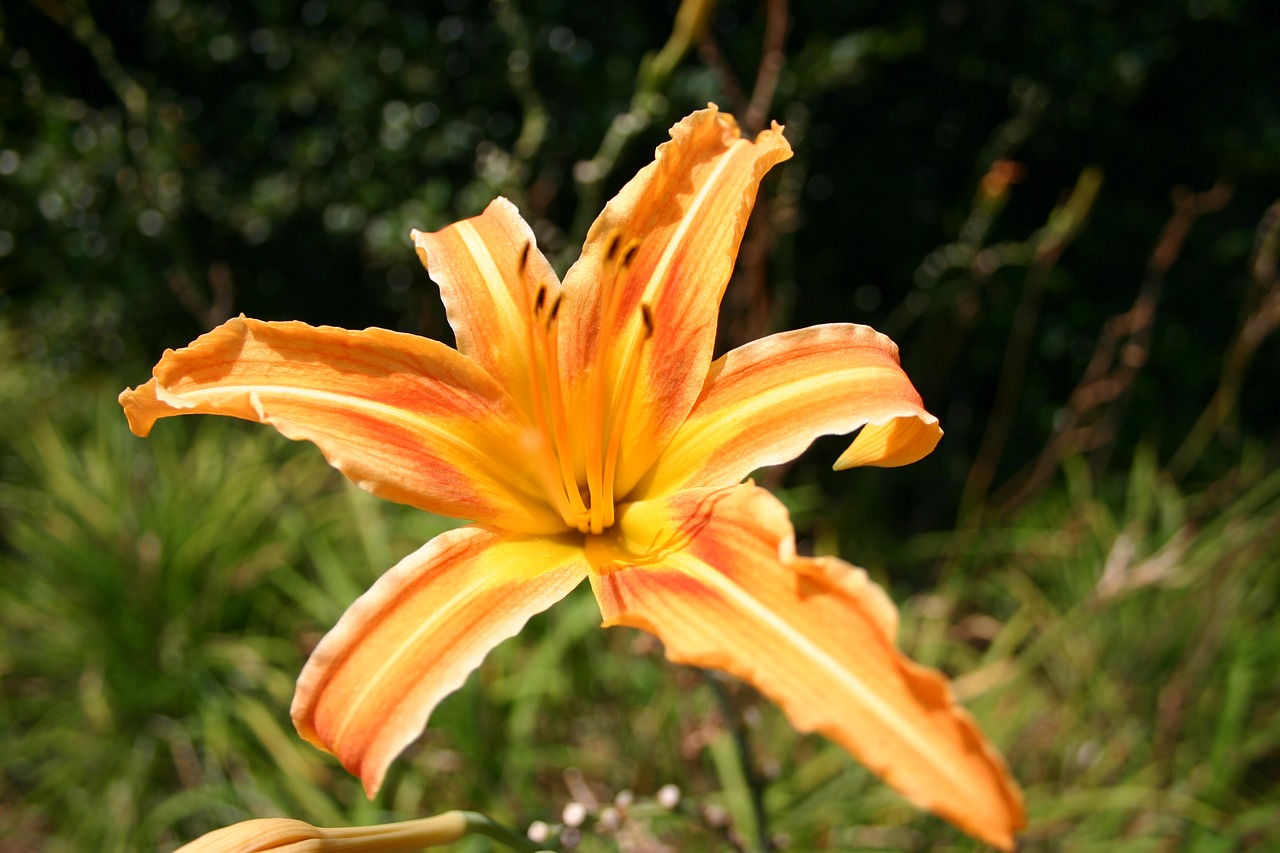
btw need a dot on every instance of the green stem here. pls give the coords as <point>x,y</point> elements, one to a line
<point>755,785</point>
<point>483,825</point>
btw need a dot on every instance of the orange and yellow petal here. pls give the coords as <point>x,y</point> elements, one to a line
<point>712,573</point>
<point>407,418</point>
<point>663,247</point>
<point>764,403</point>
<point>283,835</point>
<point>413,638</point>
<point>489,270</point>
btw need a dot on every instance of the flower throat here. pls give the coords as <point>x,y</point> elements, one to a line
<point>592,511</point>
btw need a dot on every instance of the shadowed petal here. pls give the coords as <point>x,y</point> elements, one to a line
<point>687,210</point>
<point>413,638</point>
<point>712,573</point>
<point>489,270</point>
<point>405,417</point>
<point>764,403</point>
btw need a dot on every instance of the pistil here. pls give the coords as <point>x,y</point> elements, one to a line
<point>625,393</point>
<point>599,482</point>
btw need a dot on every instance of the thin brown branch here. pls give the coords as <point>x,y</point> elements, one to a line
<point>1260,320</point>
<point>1064,225</point>
<point>772,59</point>
<point>748,312</point>
<point>711,55</point>
<point>1095,408</point>
<point>209,311</point>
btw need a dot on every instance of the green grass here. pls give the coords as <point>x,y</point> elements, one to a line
<point>157,599</point>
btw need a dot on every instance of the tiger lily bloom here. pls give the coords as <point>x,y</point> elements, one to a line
<point>586,432</point>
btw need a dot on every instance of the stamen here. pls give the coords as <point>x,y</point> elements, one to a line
<point>552,481</point>
<point>544,385</point>
<point>611,300</point>
<point>560,425</point>
<point>615,237</point>
<point>627,390</point>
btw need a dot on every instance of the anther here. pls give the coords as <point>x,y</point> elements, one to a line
<point>646,313</point>
<point>540,300</point>
<point>524,257</point>
<point>629,254</point>
<point>555,308</point>
<point>615,237</point>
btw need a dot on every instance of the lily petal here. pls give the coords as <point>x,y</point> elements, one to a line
<point>765,402</point>
<point>489,270</point>
<point>405,417</point>
<point>712,573</point>
<point>413,638</point>
<point>688,210</point>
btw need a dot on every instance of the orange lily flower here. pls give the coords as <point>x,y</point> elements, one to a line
<point>585,430</point>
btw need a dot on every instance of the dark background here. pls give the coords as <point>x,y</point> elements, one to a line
<point>275,155</point>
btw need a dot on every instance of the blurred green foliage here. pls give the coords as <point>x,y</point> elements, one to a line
<point>158,598</point>
<point>991,184</point>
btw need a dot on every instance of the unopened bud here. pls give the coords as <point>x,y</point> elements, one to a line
<point>538,831</point>
<point>574,814</point>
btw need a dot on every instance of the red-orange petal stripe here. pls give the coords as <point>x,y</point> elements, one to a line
<point>712,573</point>
<point>407,418</point>
<point>413,638</point>
<point>764,403</point>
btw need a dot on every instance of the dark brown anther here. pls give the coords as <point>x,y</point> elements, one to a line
<point>646,313</point>
<point>555,309</point>
<point>629,254</point>
<point>615,237</point>
<point>540,300</point>
<point>524,257</point>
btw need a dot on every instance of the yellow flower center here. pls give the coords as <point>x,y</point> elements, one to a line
<point>591,511</point>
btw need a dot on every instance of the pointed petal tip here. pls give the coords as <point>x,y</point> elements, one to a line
<point>137,404</point>
<point>372,783</point>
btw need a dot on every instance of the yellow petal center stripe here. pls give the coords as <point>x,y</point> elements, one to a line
<point>511,314</point>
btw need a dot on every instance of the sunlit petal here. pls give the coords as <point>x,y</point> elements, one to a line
<point>489,270</point>
<point>764,403</point>
<point>413,638</point>
<point>405,417</point>
<point>712,573</point>
<point>684,216</point>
